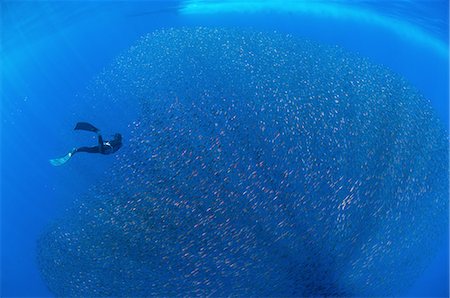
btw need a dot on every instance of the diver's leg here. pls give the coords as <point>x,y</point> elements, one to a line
<point>94,149</point>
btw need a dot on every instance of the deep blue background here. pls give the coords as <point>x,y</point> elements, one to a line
<point>52,50</point>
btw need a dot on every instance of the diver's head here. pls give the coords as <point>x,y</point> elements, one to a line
<point>118,137</point>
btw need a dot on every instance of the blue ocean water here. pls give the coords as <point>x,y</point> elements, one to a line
<point>52,51</point>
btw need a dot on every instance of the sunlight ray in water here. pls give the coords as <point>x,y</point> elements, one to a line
<point>334,10</point>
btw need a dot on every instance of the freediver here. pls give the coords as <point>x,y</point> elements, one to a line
<point>103,147</point>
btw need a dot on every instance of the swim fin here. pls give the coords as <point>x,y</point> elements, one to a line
<point>62,160</point>
<point>86,126</point>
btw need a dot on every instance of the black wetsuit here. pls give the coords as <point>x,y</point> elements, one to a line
<point>103,147</point>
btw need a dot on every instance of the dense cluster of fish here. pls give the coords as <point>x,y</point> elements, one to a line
<point>262,165</point>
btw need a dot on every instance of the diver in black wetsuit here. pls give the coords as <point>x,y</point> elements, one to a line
<point>103,147</point>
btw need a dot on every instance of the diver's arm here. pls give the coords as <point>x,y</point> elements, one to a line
<point>100,140</point>
<point>100,143</point>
